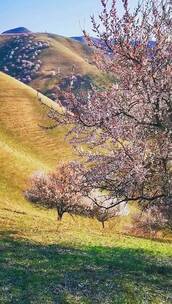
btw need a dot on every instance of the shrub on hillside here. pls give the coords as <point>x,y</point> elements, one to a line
<point>150,222</point>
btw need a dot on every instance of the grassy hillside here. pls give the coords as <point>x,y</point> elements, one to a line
<point>72,262</point>
<point>24,145</point>
<point>62,56</point>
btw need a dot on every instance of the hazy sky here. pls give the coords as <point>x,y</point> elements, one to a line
<point>64,17</point>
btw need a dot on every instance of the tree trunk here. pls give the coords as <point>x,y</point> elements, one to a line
<point>103,224</point>
<point>59,214</point>
<point>169,166</point>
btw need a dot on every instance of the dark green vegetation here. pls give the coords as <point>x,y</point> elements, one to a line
<point>122,273</point>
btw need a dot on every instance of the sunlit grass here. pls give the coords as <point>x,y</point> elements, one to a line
<point>25,147</point>
<point>44,261</point>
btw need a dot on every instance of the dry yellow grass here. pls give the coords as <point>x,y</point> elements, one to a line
<point>37,252</point>
<point>64,52</point>
<point>75,261</point>
<point>63,55</point>
<point>24,149</point>
<point>24,145</point>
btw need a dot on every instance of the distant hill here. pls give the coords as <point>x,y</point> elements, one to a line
<point>17,30</point>
<point>44,60</point>
<point>82,39</point>
<point>79,38</point>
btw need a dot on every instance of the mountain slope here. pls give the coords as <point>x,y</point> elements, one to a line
<point>24,145</point>
<point>26,148</point>
<point>43,60</point>
<point>73,261</point>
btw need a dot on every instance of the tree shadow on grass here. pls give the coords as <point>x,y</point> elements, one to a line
<point>33,273</point>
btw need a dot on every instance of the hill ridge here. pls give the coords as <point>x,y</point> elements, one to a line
<point>17,30</point>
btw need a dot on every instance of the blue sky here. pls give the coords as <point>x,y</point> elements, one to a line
<point>64,17</point>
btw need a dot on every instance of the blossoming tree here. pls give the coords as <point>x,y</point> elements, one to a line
<point>57,190</point>
<point>127,126</point>
<point>63,190</point>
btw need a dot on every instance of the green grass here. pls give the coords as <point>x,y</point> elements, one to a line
<point>43,261</point>
<point>128,270</point>
<point>75,261</point>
